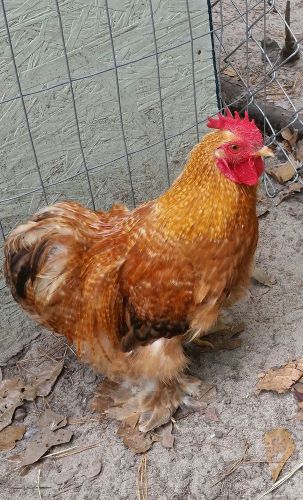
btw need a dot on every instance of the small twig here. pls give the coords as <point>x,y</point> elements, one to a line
<point>66,489</point>
<point>70,451</point>
<point>38,484</point>
<point>281,481</point>
<point>84,420</point>
<point>235,465</point>
<point>42,352</point>
<point>142,487</point>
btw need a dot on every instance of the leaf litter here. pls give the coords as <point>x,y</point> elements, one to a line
<point>10,435</point>
<point>295,187</point>
<point>281,379</point>
<point>34,382</point>
<point>13,392</point>
<point>50,433</point>
<point>45,380</point>
<point>283,172</point>
<point>288,377</point>
<point>166,435</point>
<point>280,446</point>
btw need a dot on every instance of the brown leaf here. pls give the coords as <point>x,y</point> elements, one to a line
<point>281,379</point>
<point>230,72</point>
<point>207,393</point>
<point>10,435</point>
<point>298,390</point>
<point>211,415</point>
<point>136,441</point>
<point>293,188</point>
<point>12,394</point>
<point>44,381</point>
<point>289,135</point>
<point>282,173</point>
<point>132,420</point>
<point>262,277</point>
<point>49,434</point>
<point>299,151</point>
<point>279,446</point>
<point>167,437</point>
<point>286,146</point>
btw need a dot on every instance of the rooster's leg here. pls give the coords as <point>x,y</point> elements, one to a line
<point>158,387</point>
<point>224,326</point>
<point>154,404</point>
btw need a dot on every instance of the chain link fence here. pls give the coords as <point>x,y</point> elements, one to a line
<point>257,45</point>
<point>103,99</point>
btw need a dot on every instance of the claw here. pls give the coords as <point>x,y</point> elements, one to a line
<point>203,343</point>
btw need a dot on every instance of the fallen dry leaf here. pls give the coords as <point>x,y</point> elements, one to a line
<point>167,437</point>
<point>136,441</point>
<point>279,446</point>
<point>13,392</point>
<point>281,379</point>
<point>44,380</point>
<point>296,187</point>
<point>211,415</point>
<point>230,72</point>
<point>299,151</point>
<point>286,146</point>
<point>282,173</point>
<point>10,435</point>
<point>50,433</point>
<point>289,135</point>
<point>298,390</point>
<point>207,393</point>
<point>262,277</point>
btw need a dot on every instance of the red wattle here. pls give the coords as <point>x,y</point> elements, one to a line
<point>246,172</point>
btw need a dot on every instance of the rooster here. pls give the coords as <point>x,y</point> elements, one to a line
<point>126,286</point>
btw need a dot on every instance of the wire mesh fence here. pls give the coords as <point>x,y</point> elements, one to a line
<point>157,58</point>
<point>258,52</point>
<point>102,100</point>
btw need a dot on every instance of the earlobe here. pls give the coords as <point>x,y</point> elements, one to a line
<point>219,153</point>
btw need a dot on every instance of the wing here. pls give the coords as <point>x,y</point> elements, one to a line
<point>172,286</point>
<point>157,287</point>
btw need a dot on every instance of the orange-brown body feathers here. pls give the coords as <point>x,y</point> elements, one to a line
<point>124,286</point>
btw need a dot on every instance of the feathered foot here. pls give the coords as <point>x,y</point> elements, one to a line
<point>154,403</point>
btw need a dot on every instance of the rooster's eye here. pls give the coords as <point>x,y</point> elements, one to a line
<point>234,147</point>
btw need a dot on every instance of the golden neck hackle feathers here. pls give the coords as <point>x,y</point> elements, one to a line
<point>202,201</point>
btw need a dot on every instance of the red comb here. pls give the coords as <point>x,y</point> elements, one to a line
<point>239,126</point>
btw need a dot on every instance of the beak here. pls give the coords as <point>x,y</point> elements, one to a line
<point>264,152</point>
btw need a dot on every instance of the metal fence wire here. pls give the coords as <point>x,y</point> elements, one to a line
<point>101,101</point>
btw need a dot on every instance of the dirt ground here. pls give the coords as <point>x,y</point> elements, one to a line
<point>203,450</point>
